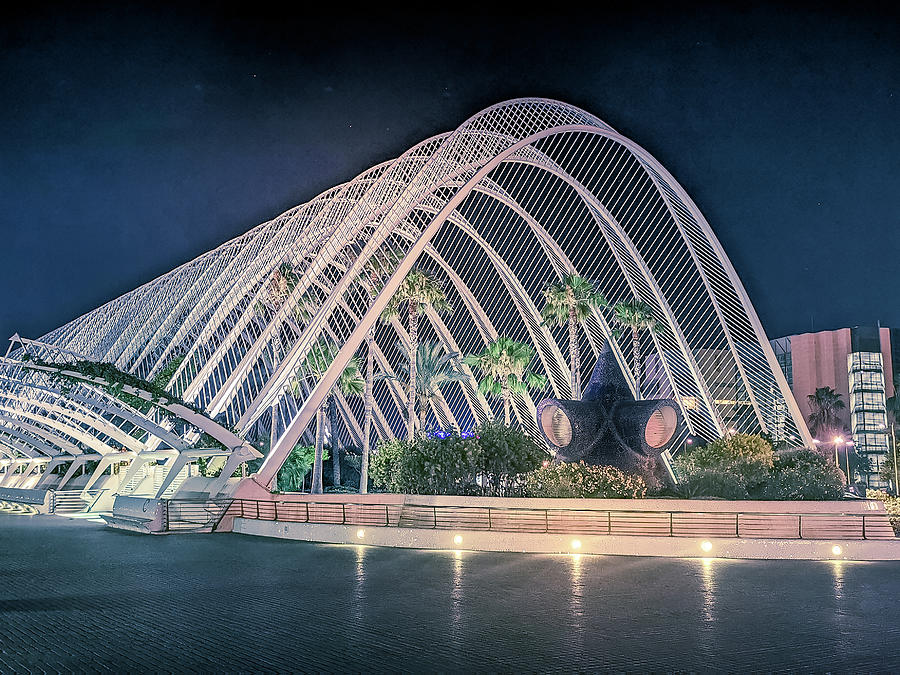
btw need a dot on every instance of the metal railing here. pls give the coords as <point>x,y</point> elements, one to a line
<point>750,525</point>
<point>195,515</point>
<point>333,513</point>
<point>70,501</point>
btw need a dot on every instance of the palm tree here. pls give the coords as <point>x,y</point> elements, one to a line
<point>418,290</point>
<point>377,270</point>
<point>503,363</point>
<point>350,383</point>
<point>317,361</point>
<point>296,466</point>
<point>434,369</point>
<point>571,301</point>
<point>824,417</point>
<point>635,316</point>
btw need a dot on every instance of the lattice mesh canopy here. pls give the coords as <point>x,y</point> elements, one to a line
<point>519,195</point>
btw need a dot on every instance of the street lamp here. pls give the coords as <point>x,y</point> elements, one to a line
<point>837,440</point>
<point>847,459</point>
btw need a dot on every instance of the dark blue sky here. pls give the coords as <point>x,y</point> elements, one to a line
<point>137,137</point>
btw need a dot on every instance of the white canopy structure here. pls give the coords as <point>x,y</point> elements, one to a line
<point>519,195</point>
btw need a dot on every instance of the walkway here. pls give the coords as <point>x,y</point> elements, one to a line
<point>77,596</point>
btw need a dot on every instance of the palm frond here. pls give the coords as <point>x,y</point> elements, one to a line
<point>504,359</point>
<point>489,387</point>
<point>435,368</point>
<point>535,381</point>
<point>634,315</point>
<point>571,293</point>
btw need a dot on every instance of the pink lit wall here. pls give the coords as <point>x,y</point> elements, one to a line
<point>820,360</point>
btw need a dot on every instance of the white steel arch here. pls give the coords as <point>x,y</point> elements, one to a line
<point>518,195</point>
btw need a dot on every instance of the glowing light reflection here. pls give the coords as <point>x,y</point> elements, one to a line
<point>709,590</point>
<point>359,581</point>
<point>576,604</point>
<point>838,568</point>
<point>456,594</point>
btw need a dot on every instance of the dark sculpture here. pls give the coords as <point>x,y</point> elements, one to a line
<point>608,426</point>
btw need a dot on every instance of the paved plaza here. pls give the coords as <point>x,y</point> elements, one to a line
<point>79,597</point>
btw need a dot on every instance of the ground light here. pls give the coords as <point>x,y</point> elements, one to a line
<point>836,550</point>
<point>360,533</point>
<point>706,546</point>
<point>576,544</point>
<point>457,539</point>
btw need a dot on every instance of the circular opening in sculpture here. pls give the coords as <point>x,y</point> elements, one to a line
<point>556,425</point>
<point>661,427</point>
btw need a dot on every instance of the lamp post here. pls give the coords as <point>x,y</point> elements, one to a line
<point>894,443</point>
<point>839,440</point>
<point>835,441</point>
<point>847,460</point>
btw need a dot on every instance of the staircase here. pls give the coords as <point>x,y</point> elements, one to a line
<point>175,484</point>
<point>70,501</point>
<point>132,485</point>
<point>202,515</point>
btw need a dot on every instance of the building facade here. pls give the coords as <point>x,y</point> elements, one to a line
<point>861,365</point>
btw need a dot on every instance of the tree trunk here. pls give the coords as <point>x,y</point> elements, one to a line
<point>316,487</point>
<point>636,350</point>
<point>413,354</point>
<point>505,391</point>
<point>423,413</point>
<point>367,414</point>
<point>574,356</point>
<point>335,442</point>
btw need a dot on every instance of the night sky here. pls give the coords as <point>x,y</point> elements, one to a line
<point>135,138</point>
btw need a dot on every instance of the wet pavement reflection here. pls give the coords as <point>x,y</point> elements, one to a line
<point>232,602</point>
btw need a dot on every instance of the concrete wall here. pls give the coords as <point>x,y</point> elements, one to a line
<point>679,547</point>
<point>705,529</point>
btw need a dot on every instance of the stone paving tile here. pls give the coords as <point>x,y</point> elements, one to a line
<point>77,597</point>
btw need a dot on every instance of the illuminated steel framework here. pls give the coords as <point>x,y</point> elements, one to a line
<point>519,195</point>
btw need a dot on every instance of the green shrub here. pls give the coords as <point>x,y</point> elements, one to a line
<point>731,467</point>
<point>887,467</point>
<point>891,505</point>
<point>489,462</point>
<point>296,466</point>
<point>802,474</point>
<point>383,463</point>
<point>436,466</point>
<point>501,455</point>
<point>580,480</point>
<point>713,483</point>
<point>749,456</point>
<point>745,467</point>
